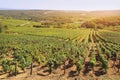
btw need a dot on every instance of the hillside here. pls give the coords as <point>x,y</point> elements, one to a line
<point>59,45</point>
<point>42,14</point>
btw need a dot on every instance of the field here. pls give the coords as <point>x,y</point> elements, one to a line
<point>33,50</point>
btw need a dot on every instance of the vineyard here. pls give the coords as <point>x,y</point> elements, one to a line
<point>59,45</point>
<point>86,51</point>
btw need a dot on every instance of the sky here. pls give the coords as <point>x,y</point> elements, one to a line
<point>87,5</point>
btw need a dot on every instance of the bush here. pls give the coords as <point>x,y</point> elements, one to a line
<point>40,26</point>
<point>0,29</point>
<point>3,28</point>
<point>88,24</point>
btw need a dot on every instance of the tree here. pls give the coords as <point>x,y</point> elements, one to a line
<point>5,27</point>
<point>1,28</point>
<point>89,24</point>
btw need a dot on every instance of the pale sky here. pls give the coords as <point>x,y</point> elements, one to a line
<point>61,4</point>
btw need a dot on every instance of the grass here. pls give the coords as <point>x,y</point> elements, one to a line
<point>55,32</point>
<point>11,23</point>
<point>25,27</point>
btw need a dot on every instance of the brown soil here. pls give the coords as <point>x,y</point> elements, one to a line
<point>42,73</point>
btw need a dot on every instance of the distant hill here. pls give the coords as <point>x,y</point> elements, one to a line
<point>42,15</point>
<point>6,9</point>
<point>105,13</point>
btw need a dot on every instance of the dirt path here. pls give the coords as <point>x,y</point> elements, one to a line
<point>92,47</point>
<point>25,24</point>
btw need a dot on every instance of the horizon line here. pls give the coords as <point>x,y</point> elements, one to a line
<point>61,9</point>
